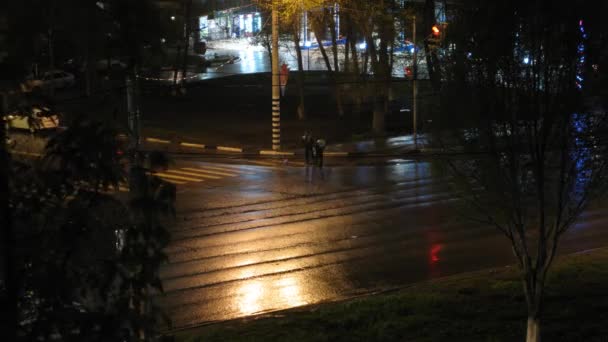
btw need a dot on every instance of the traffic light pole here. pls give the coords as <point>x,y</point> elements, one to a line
<point>415,86</point>
<point>276,88</point>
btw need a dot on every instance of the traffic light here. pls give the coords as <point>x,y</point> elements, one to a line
<point>408,72</point>
<point>436,31</point>
<point>434,38</point>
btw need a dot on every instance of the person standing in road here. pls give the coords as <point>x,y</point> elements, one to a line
<point>308,146</point>
<point>319,147</point>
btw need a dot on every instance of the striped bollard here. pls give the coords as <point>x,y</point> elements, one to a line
<point>276,88</point>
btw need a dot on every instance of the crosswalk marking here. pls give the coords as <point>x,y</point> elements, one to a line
<point>174,182</point>
<point>176,177</point>
<point>224,169</point>
<point>201,171</point>
<point>268,165</point>
<point>193,174</point>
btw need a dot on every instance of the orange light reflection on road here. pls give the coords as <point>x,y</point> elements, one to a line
<point>250,298</point>
<point>269,294</point>
<point>290,292</point>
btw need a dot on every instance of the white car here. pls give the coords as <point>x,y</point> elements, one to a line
<point>52,79</point>
<point>34,119</point>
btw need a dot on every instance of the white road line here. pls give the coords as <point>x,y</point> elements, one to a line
<point>213,172</point>
<point>267,165</point>
<point>193,174</point>
<point>182,178</point>
<point>238,169</point>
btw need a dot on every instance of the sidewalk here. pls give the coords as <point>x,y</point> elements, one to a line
<point>381,147</point>
<point>232,115</point>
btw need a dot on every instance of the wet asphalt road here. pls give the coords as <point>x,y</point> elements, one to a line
<point>261,237</point>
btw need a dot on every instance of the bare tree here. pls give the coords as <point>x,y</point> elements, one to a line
<point>376,22</point>
<point>291,14</point>
<point>319,19</point>
<point>541,161</point>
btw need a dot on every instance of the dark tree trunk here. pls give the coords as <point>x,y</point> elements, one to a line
<point>334,41</point>
<point>356,76</point>
<point>188,25</point>
<point>533,289</point>
<point>432,60</point>
<point>347,66</point>
<point>7,240</point>
<point>318,28</point>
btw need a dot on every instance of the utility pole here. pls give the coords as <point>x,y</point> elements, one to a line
<point>415,85</point>
<point>276,90</point>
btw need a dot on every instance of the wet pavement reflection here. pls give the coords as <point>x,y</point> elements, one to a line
<point>284,237</point>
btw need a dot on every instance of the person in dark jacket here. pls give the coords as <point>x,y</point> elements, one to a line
<point>319,147</point>
<point>308,142</point>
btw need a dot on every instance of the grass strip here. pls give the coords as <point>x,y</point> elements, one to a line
<point>482,306</point>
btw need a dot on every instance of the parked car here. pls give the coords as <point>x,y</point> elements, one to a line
<point>34,118</point>
<point>52,79</point>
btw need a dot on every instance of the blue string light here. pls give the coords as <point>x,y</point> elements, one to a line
<point>580,65</point>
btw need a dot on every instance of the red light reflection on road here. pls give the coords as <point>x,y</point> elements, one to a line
<point>434,255</point>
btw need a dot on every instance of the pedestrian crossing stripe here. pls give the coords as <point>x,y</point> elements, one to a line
<point>123,187</point>
<point>175,182</point>
<point>179,172</point>
<point>268,165</point>
<point>201,171</point>
<point>223,169</point>
<point>176,177</point>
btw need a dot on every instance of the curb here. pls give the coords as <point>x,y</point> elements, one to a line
<point>232,150</point>
<point>193,145</point>
<point>276,153</point>
<point>158,141</point>
<point>229,149</point>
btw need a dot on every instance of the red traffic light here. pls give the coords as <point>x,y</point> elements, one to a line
<point>436,31</point>
<point>408,71</point>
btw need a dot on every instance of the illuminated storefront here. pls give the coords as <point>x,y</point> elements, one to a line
<point>229,24</point>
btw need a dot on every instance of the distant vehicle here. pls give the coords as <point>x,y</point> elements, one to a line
<point>33,119</point>
<point>52,79</point>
